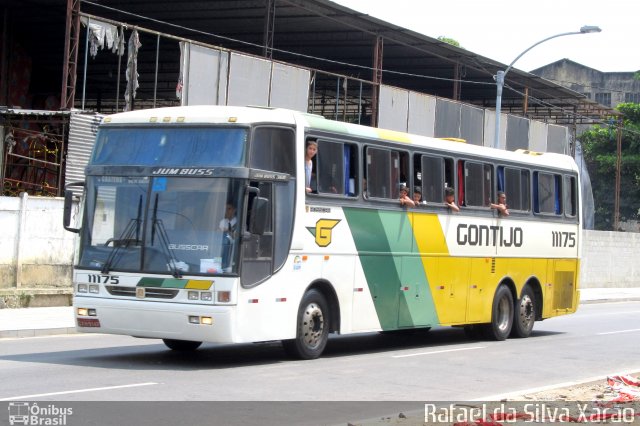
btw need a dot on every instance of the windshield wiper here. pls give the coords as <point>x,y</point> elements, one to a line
<point>158,226</point>
<point>125,239</point>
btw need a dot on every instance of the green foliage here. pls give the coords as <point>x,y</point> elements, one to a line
<point>450,41</point>
<point>600,153</point>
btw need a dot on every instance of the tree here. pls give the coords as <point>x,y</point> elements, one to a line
<point>450,41</point>
<point>600,153</point>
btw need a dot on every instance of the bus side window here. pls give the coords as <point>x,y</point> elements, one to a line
<point>461,195</point>
<point>449,174</point>
<point>417,174</point>
<point>273,148</point>
<point>437,174</point>
<point>378,169</point>
<point>515,183</point>
<point>547,193</point>
<point>478,184</point>
<point>386,170</point>
<point>336,168</point>
<point>570,196</point>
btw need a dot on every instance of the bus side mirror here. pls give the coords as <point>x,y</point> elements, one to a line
<point>68,207</point>
<point>259,217</point>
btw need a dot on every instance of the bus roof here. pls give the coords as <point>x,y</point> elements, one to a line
<point>212,114</point>
<point>204,114</point>
<point>452,145</point>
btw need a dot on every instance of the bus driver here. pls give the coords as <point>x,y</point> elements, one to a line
<point>228,226</point>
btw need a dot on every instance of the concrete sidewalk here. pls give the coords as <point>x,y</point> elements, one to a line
<point>31,322</point>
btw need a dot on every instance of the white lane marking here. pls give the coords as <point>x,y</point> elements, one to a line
<point>12,398</point>
<point>439,352</point>
<point>619,331</point>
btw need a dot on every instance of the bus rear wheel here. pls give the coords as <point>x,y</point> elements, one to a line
<point>501,315</point>
<point>312,330</point>
<point>525,314</point>
<point>181,345</point>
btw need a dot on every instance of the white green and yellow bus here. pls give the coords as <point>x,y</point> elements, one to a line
<point>196,225</point>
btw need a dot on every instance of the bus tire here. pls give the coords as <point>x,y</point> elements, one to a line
<point>501,315</point>
<point>181,345</point>
<point>524,314</point>
<point>312,329</point>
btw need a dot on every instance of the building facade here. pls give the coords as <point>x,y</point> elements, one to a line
<point>606,88</point>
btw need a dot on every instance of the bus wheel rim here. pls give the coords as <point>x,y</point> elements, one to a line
<point>525,309</point>
<point>312,325</point>
<point>504,313</point>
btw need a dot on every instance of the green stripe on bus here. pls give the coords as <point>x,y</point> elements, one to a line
<point>398,283</point>
<point>174,283</point>
<point>162,282</point>
<point>150,282</point>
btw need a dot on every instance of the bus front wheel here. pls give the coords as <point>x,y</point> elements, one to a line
<point>312,329</point>
<point>525,314</point>
<point>501,315</point>
<point>181,345</point>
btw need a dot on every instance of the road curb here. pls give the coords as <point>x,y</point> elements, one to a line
<point>38,332</point>
<point>616,299</point>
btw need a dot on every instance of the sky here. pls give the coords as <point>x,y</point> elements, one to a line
<point>502,29</point>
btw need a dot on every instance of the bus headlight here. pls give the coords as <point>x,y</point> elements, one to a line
<point>94,288</point>
<point>206,296</point>
<point>82,288</point>
<point>193,295</point>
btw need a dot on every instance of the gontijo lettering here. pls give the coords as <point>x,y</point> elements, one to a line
<point>484,235</point>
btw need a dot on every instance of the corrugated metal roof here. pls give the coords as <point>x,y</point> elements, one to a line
<point>82,137</point>
<point>36,112</point>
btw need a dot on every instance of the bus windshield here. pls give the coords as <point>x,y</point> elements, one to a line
<point>195,146</point>
<point>174,225</point>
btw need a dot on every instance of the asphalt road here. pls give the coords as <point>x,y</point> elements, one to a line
<point>404,370</point>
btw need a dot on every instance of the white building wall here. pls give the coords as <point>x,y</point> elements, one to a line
<point>35,250</point>
<point>610,259</point>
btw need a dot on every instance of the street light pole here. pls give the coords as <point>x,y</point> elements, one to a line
<point>499,77</point>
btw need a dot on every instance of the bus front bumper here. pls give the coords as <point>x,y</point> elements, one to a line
<point>179,321</point>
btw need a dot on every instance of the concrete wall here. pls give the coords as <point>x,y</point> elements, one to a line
<point>609,259</point>
<point>36,253</point>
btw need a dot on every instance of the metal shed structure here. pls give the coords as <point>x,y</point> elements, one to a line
<point>315,53</point>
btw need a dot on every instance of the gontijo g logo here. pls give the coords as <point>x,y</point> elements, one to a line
<point>322,231</point>
<point>26,413</point>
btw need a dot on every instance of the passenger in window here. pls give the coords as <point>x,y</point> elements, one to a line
<point>417,198</point>
<point>405,200</point>
<point>310,151</point>
<point>449,199</point>
<point>501,206</point>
